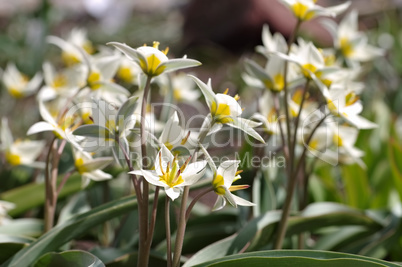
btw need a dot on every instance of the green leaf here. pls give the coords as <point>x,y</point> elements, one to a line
<point>32,195</point>
<point>299,258</point>
<point>9,245</point>
<point>92,130</point>
<point>216,250</point>
<point>68,259</point>
<point>127,109</point>
<point>395,157</point>
<point>356,186</point>
<point>71,229</point>
<point>23,227</point>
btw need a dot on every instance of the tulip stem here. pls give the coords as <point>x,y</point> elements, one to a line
<point>167,227</point>
<point>146,233</point>
<point>181,228</point>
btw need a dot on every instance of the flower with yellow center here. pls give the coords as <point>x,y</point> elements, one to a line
<point>273,76</point>
<point>153,61</point>
<point>225,110</point>
<point>350,42</point>
<point>305,10</point>
<point>61,127</point>
<point>169,175</point>
<point>346,105</point>
<point>19,152</point>
<point>223,178</point>
<point>110,126</point>
<point>90,168</point>
<point>18,84</point>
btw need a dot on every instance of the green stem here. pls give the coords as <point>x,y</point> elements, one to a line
<point>167,227</point>
<point>144,240</point>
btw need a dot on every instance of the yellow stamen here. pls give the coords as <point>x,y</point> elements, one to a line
<point>156,44</point>
<point>238,187</point>
<point>165,51</point>
<point>184,140</point>
<point>236,97</point>
<point>226,91</point>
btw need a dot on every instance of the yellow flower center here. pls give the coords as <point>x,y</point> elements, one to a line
<point>307,69</point>
<point>171,176</point>
<point>15,92</point>
<point>59,81</point>
<point>79,165</point>
<point>301,11</point>
<point>277,84</point>
<point>177,94</point>
<point>332,108</point>
<point>337,140</point>
<point>93,80</point>
<point>88,47</point>
<point>125,74</point>
<point>69,58</point>
<point>346,47</point>
<point>351,98</point>
<point>313,144</point>
<point>217,184</point>
<point>13,159</point>
<point>221,113</point>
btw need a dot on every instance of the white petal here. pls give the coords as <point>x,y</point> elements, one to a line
<point>193,172</point>
<point>150,176</point>
<point>219,204</point>
<point>41,126</point>
<point>172,192</point>
<point>242,202</point>
<point>228,171</point>
<point>206,90</point>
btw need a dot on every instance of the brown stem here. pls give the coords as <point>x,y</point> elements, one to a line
<point>181,229</point>
<point>144,244</point>
<point>167,227</point>
<point>197,197</point>
<point>49,209</point>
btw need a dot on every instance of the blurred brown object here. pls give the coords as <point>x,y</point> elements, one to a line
<point>236,25</point>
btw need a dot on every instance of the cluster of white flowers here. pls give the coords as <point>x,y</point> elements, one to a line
<point>333,71</point>
<point>84,102</point>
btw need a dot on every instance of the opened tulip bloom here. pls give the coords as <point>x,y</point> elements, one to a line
<point>18,84</point>
<point>305,10</point>
<point>169,175</point>
<point>226,110</point>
